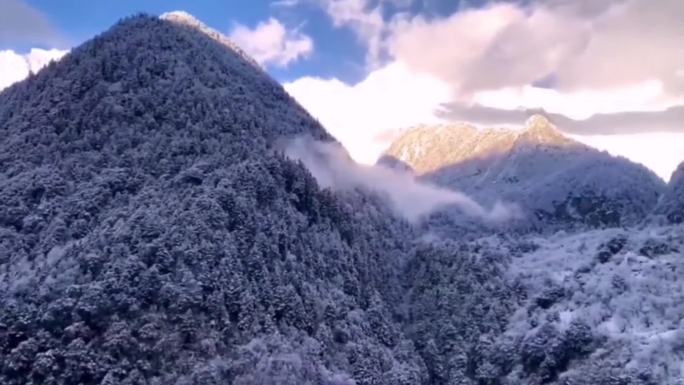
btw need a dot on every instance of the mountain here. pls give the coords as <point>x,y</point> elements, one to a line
<point>554,179</point>
<point>672,203</point>
<point>151,232</point>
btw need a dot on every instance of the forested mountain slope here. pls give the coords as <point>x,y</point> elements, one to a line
<point>150,233</point>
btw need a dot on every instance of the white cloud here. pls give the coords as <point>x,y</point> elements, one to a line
<point>412,199</point>
<point>270,43</point>
<point>599,57</point>
<point>631,42</point>
<point>619,49</point>
<point>364,20</point>
<point>15,67</point>
<point>357,115</point>
<point>457,48</point>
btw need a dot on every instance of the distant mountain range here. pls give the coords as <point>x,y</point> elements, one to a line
<point>554,179</point>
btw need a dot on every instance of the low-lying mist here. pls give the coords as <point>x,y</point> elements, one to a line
<point>412,199</point>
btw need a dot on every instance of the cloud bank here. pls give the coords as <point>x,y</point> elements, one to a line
<point>271,44</point>
<point>575,58</point>
<point>567,45</point>
<point>357,115</point>
<point>333,168</point>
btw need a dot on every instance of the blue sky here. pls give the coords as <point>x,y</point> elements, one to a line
<point>337,52</point>
<point>368,68</point>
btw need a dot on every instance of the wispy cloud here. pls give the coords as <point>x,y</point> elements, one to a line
<point>365,20</point>
<point>333,168</point>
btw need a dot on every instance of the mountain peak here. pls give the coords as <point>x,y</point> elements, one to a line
<point>540,124</point>
<point>538,129</point>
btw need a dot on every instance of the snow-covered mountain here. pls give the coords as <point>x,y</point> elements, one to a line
<point>553,178</point>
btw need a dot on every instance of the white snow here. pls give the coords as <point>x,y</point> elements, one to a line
<point>635,302</point>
